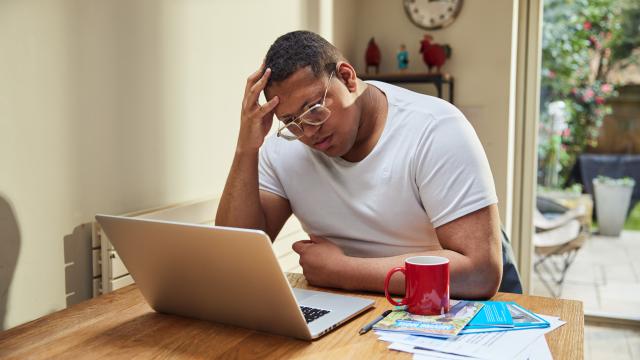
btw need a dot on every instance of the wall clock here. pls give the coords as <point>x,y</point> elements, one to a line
<point>432,14</point>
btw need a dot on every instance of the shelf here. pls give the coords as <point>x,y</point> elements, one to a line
<point>415,78</point>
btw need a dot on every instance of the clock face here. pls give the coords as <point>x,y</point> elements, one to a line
<point>432,14</point>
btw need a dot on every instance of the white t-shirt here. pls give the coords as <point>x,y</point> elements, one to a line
<point>427,169</point>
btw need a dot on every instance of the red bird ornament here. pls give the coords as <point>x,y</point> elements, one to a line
<point>434,55</point>
<point>372,56</point>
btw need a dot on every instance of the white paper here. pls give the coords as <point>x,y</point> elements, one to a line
<point>538,350</point>
<point>497,345</point>
<point>427,354</point>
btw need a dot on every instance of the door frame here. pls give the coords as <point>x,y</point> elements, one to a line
<point>527,100</point>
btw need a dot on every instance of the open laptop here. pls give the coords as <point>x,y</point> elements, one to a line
<point>225,275</point>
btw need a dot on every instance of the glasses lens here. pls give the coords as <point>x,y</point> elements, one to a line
<point>291,132</point>
<point>316,115</point>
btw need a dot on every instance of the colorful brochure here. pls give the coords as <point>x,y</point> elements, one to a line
<point>442,326</point>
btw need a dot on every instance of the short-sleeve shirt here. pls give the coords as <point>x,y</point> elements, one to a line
<point>428,168</point>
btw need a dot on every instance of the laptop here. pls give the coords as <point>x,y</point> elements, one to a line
<point>225,275</point>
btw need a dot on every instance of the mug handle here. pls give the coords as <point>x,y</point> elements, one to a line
<point>386,286</point>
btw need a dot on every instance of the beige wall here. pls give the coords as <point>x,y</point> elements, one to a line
<point>113,106</point>
<point>345,15</point>
<point>482,63</point>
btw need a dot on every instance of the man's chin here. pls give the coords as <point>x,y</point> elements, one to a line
<point>335,152</point>
<point>330,151</point>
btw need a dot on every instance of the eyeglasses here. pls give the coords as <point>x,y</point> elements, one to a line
<point>315,115</point>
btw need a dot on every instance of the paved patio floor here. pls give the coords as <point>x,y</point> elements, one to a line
<point>605,276</point>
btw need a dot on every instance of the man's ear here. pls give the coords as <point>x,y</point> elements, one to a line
<point>347,75</point>
<point>266,94</point>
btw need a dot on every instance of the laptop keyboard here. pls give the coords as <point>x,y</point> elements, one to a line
<point>311,314</point>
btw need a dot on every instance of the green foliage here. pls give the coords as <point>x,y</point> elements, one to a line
<point>626,39</point>
<point>633,221</point>
<point>625,181</point>
<point>582,40</point>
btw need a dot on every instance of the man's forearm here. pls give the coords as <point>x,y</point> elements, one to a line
<point>240,203</point>
<point>467,280</point>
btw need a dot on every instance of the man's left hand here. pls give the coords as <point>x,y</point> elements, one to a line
<point>321,261</point>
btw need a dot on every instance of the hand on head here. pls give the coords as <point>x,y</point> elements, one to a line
<point>256,119</point>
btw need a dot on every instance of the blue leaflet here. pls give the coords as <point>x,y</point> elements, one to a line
<point>498,317</point>
<point>525,318</point>
<point>492,314</point>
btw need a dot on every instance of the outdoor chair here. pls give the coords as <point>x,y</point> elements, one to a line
<point>557,240</point>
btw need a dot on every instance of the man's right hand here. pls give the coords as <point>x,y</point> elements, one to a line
<point>255,119</point>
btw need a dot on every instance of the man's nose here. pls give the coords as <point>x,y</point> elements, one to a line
<point>309,130</point>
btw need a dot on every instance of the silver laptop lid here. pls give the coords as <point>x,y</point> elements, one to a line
<point>225,275</point>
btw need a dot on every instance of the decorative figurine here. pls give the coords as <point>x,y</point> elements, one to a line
<point>403,58</point>
<point>372,56</point>
<point>434,55</point>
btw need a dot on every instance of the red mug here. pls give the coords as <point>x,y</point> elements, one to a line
<point>426,285</point>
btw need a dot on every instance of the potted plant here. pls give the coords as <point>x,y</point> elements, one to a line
<point>612,203</point>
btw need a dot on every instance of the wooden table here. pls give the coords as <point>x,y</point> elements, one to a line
<point>122,325</point>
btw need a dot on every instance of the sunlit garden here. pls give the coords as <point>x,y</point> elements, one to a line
<point>590,99</point>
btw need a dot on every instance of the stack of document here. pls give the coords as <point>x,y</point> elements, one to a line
<point>503,316</point>
<point>442,326</point>
<point>496,330</point>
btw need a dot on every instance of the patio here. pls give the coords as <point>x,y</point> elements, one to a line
<point>605,276</point>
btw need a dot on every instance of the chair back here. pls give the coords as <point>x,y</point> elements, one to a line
<point>510,276</point>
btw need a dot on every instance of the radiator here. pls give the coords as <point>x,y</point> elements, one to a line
<point>109,273</point>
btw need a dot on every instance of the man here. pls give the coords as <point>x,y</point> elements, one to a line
<point>375,174</point>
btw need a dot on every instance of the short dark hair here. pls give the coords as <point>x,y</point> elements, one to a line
<point>298,49</point>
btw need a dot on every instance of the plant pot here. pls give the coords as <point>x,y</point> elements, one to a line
<point>612,204</point>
